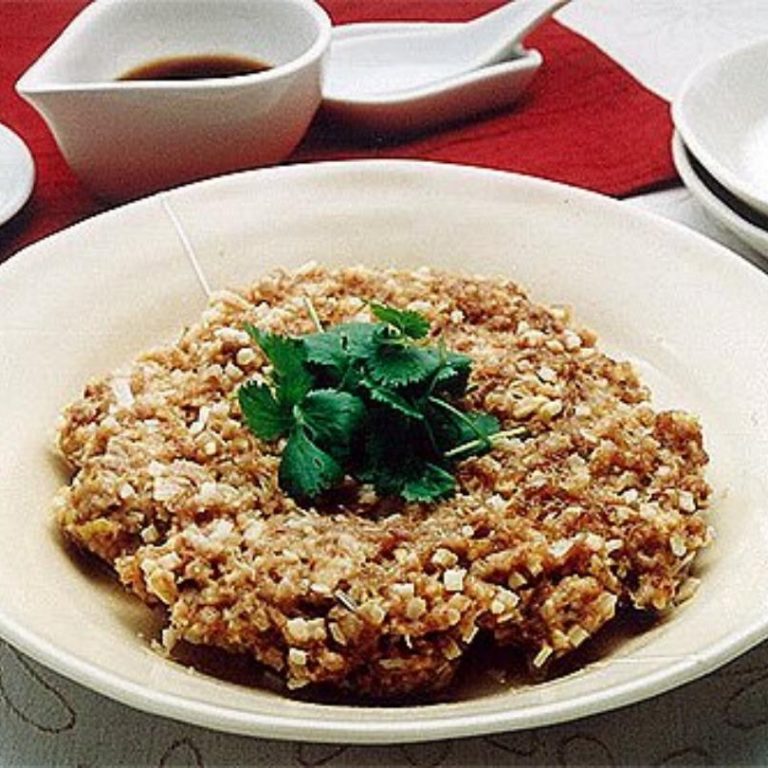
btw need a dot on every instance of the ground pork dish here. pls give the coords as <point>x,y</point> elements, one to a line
<point>600,505</point>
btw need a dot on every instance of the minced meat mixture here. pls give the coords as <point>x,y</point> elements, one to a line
<point>599,507</point>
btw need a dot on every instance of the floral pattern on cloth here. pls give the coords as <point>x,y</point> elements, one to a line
<point>721,719</point>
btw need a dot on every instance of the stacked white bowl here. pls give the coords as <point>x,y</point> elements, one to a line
<point>720,145</point>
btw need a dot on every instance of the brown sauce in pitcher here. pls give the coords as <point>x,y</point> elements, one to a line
<point>195,67</point>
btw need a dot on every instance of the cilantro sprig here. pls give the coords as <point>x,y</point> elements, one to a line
<point>373,401</point>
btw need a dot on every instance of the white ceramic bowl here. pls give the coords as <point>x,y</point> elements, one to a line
<point>126,138</point>
<point>721,113</point>
<point>688,313</point>
<point>722,206</point>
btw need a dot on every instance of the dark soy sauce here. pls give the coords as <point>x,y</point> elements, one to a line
<point>195,68</point>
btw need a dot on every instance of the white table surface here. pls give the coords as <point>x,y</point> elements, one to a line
<point>722,719</point>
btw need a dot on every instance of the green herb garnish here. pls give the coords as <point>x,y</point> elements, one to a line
<point>373,401</point>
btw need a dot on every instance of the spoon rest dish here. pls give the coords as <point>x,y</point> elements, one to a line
<point>410,110</point>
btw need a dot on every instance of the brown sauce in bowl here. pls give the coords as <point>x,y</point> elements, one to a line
<point>195,67</point>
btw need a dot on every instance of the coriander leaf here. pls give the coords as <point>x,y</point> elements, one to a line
<point>386,396</point>
<point>482,424</point>
<point>411,324</point>
<point>386,479</point>
<point>358,339</point>
<point>306,470</point>
<point>452,377</point>
<point>287,355</point>
<point>429,483</point>
<point>332,417</point>
<point>387,449</point>
<point>395,365</point>
<point>453,428</point>
<point>265,417</point>
<point>325,348</point>
<point>368,400</point>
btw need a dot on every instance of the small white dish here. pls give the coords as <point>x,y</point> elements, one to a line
<point>405,57</point>
<point>718,202</point>
<point>17,173</point>
<point>459,97</point>
<point>125,138</point>
<point>688,313</point>
<point>721,114</point>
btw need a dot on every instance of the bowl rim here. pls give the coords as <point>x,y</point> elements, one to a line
<point>351,730</point>
<point>700,148</point>
<point>25,166</point>
<point>28,84</point>
<point>715,205</point>
<point>339,725</point>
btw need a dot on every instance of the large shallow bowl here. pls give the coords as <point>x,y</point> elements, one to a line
<point>721,114</point>
<point>690,314</point>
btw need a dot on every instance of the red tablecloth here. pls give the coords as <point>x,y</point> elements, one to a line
<point>584,120</point>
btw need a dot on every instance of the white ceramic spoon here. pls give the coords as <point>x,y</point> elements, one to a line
<point>379,64</point>
<point>463,96</point>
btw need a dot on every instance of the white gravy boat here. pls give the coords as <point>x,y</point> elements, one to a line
<point>126,138</point>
